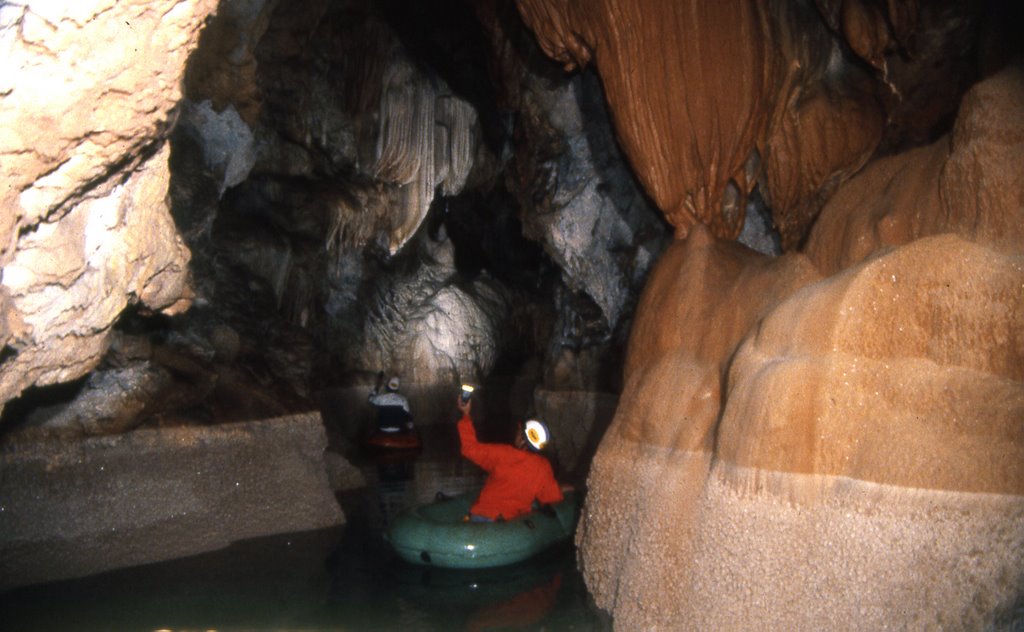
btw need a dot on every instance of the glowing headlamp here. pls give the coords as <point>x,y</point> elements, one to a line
<point>537,434</point>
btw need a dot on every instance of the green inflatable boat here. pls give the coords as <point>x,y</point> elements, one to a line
<point>436,535</point>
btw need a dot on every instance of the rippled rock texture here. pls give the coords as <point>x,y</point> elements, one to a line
<point>832,437</point>
<point>786,102</point>
<point>345,186</point>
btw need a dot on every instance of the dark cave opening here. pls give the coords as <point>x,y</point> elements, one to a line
<point>37,404</point>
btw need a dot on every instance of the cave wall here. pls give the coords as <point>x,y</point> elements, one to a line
<point>781,443</point>
<point>346,195</point>
<point>85,229</point>
<point>833,437</point>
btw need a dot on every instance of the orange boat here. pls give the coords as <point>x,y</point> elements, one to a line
<point>394,440</point>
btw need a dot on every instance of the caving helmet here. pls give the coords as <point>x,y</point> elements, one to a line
<point>393,384</point>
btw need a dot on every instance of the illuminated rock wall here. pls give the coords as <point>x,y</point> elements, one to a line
<point>833,438</point>
<point>734,94</point>
<point>86,103</point>
<point>822,451</point>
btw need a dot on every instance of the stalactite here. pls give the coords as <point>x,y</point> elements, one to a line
<point>458,118</point>
<point>406,129</point>
<point>427,138</point>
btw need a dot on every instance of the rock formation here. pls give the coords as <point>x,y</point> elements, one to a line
<point>84,228</point>
<point>154,495</point>
<point>222,211</point>
<point>958,184</point>
<point>783,445</point>
<point>770,110</point>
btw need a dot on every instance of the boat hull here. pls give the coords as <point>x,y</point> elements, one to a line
<point>436,534</point>
<point>397,441</point>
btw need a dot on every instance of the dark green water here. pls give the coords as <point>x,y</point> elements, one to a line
<point>340,579</point>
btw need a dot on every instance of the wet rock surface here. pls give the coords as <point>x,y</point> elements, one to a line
<point>879,389</point>
<point>240,210</point>
<point>152,495</point>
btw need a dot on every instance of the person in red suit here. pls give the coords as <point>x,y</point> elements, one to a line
<point>517,475</point>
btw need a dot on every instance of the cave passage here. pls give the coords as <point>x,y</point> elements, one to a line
<point>757,264</point>
<point>342,578</point>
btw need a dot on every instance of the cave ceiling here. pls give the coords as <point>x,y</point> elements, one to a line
<point>343,173</point>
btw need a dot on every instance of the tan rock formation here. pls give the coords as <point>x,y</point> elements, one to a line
<point>906,370</point>
<point>862,464</point>
<point>86,100</point>
<point>870,445</point>
<point>70,279</point>
<point>969,183</point>
<point>709,99</point>
<point>648,475</point>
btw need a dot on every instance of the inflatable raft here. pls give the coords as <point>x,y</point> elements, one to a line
<point>404,441</point>
<point>436,534</point>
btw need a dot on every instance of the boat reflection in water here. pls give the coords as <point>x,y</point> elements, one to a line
<point>345,578</point>
<point>374,589</point>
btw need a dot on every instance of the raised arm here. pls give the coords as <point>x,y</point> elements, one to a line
<point>484,455</point>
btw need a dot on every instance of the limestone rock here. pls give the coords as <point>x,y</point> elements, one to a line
<point>880,207</point>
<point>342,474</point>
<point>111,401</point>
<point>702,297</point>
<point>764,96</point>
<point>229,148</point>
<point>685,146</point>
<point>863,417</point>
<point>578,420</point>
<point>223,69</point>
<point>869,443</point>
<point>367,112</point>
<point>598,229</point>
<point>711,100</point>
<point>85,85</point>
<point>576,196</point>
<point>705,280</point>
<point>152,495</point>
<point>70,278</point>
<point>906,370</point>
<point>968,183</point>
<point>87,98</point>
<point>982,187</point>
<point>432,331</point>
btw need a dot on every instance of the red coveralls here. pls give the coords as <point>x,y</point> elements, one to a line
<point>515,477</point>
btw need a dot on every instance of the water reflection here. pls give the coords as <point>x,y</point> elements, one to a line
<point>338,579</point>
<point>545,592</point>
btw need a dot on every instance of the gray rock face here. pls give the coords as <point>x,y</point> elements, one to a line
<point>595,222</point>
<point>111,401</point>
<point>758,232</point>
<point>228,145</point>
<point>153,495</point>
